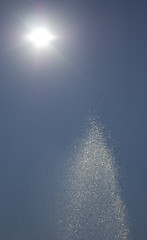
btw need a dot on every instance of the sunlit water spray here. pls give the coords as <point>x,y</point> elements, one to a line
<point>90,203</point>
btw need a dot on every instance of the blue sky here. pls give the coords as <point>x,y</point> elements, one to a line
<point>100,66</point>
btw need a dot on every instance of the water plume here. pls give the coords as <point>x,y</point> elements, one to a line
<point>90,203</point>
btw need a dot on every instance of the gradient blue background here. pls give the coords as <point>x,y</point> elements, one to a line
<point>99,66</point>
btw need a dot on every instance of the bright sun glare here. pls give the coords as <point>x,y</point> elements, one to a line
<point>40,37</point>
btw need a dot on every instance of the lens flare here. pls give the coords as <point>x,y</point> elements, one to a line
<point>41,38</point>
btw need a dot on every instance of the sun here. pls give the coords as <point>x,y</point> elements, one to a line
<point>40,37</point>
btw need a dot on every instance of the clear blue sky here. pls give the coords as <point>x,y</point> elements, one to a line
<point>99,66</point>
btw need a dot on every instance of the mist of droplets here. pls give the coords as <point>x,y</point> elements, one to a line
<point>90,203</point>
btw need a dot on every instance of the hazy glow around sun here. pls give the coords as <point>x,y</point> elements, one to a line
<point>40,37</point>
